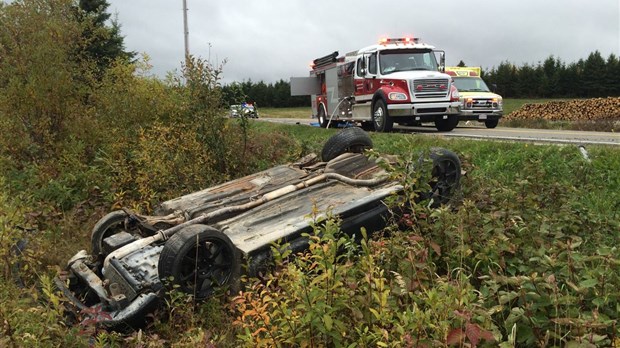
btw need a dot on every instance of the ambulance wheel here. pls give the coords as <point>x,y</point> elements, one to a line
<point>491,123</point>
<point>322,116</point>
<point>380,117</point>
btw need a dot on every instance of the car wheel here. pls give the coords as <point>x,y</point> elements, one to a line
<point>107,226</point>
<point>491,123</point>
<point>352,139</point>
<point>199,259</point>
<point>322,116</point>
<point>446,176</point>
<point>447,124</point>
<point>380,117</point>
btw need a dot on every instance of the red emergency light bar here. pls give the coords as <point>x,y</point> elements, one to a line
<point>405,40</point>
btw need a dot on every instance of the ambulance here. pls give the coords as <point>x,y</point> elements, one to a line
<point>478,103</point>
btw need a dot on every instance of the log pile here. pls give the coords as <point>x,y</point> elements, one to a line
<point>596,109</point>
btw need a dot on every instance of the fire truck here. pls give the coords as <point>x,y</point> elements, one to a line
<point>397,80</point>
<point>478,103</point>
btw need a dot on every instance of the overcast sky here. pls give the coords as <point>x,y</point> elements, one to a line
<point>277,39</point>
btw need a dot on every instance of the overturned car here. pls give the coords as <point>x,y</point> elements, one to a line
<point>207,239</point>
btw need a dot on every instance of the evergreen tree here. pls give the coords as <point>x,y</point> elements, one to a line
<point>550,75</point>
<point>233,94</point>
<point>104,43</point>
<point>528,81</point>
<point>504,77</point>
<point>594,75</point>
<point>612,76</point>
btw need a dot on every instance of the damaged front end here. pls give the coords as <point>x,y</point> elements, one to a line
<point>119,285</point>
<point>197,243</point>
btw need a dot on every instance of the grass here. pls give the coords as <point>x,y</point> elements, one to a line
<point>540,215</point>
<point>529,214</point>
<point>298,112</point>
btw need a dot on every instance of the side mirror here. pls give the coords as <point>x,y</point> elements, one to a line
<point>442,60</point>
<point>362,63</point>
<point>494,86</point>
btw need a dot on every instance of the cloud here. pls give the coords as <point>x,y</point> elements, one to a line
<point>272,40</point>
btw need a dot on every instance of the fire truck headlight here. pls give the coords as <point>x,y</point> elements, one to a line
<point>397,96</point>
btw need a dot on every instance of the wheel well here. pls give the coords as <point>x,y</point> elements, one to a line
<point>378,95</point>
<point>321,105</point>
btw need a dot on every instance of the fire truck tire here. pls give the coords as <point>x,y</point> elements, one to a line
<point>447,124</point>
<point>199,259</point>
<point>491,123</point>
<point>380,117</point>
<point>322,116</point>
<point>352,139</point>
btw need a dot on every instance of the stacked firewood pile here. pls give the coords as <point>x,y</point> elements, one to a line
<point>596,109</point>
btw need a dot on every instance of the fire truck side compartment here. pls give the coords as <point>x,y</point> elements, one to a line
<point>305,86</point>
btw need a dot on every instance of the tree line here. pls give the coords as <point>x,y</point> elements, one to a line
<point>264,95</point>
<point>551,78</point>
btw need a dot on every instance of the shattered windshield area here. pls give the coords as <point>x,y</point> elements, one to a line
<point>406,60</point>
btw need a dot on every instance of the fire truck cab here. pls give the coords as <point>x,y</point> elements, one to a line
<point>394,81</point>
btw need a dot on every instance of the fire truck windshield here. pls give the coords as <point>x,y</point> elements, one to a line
<point>406,60</point>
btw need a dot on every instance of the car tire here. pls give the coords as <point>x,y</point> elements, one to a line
<point>322,116</point>
<point>107,226</point>
<point>199,254</point>
<point>446,176</point>
<point>491,123</point>
<point>380,117</point>
<point>448,124</point>
<point>352,139</point>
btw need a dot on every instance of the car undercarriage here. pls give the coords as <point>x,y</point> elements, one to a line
<point>203,241</point>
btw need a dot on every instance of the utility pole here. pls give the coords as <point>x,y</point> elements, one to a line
<point>185,30</point>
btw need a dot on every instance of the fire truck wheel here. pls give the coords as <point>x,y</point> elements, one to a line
<point>322,116</point>
<point>491,123</point>
<point>447,124</point>
<point>380,117</point>
<point>352,139</point>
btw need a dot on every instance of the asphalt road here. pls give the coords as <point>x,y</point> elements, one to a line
<point>477,130</point>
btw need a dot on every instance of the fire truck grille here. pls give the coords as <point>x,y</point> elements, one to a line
<point>430,88</point>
